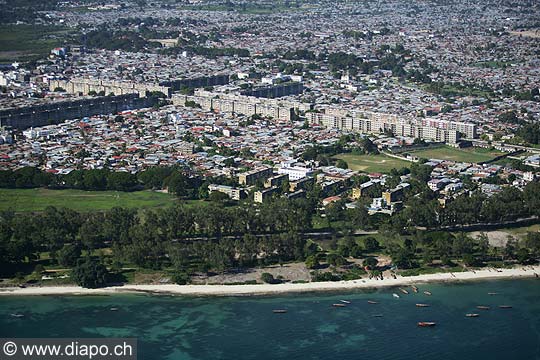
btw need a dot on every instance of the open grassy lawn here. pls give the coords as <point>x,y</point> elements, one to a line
<point>21,200</point>
<point>470,155</point>
<point>28,42</point>
<point>372,163</point>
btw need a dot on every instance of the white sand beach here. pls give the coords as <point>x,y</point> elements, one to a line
<point>265,289</point>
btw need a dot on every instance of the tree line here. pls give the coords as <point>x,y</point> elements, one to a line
<point>175,178</point>
<point>154,238</point>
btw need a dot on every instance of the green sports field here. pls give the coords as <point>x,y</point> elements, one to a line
<point>29,42</point>
<point>469,155</point>
<point>372,163</point>
<point>21,200</point>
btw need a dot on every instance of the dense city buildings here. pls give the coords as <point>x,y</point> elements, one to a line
<point>256,142</point>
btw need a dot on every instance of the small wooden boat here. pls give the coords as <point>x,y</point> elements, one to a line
<point>345,301</point>
<point>493,293</point>
<point>505,306</point>
<point>372,302</point>
<point>378,315</point>
<point>17,315</point>
<point>395,295</point>
<point>403,291</point>
<point>414,288</point>
<point>422,305</point>
<point>428,293</point>
<point>426,324</point>
<point>279,311</point>
<point>339,305</point>
<point>114,309</point>
<point>481,307</point>
<point>472,315</point>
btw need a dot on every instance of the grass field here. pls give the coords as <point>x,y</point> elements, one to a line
<point>28,42</point>
<point>372,163</point>
<point>470,155</point>
<point>21,200</point>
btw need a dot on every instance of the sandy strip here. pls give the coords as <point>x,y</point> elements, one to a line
<point>265,289</point>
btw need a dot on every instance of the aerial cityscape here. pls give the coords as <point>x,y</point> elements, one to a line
<point>363,169</point>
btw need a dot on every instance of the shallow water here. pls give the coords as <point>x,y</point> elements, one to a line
<point>170,327</point>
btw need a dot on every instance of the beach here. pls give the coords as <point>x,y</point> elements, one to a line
<point>266,289</point>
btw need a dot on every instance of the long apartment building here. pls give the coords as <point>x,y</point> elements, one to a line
<point>377,123</point>
<point>83,86</point>
<point>278,109</point>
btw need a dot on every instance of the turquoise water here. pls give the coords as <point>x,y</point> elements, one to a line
<point>245,327</point>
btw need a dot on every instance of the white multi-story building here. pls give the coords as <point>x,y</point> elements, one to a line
<point>377,123</point>
<point>295,171</point>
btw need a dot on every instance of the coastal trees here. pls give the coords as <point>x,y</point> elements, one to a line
<point>268,278</point>
<point>403,258</point>
<point>312,262</point>
<point>180,278</point>
<point>370,262</point>
<point>371,244</point>
<point>90,273</point>
<point>532,241</point>
<point>68,255</point>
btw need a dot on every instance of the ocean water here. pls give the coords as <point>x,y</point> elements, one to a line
<point>179,328</point>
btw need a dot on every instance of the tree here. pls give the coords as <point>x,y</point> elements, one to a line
<point>218,196</point>
<point>403,258</point>
<point>371,262</point>
<point>532,241</point>
<point>359,216</point>
<point>312,262</point>
<point>469,259</point>
<point>181,185</point>
<point>371,244</point>
<point>268,278</point>
<point>421,172</point>
<point>69,255</point>
<point>510,248</point>
<point>335,211</point>
<point>335,259</point>
<point>90,273</point>
<point>523,256</point>
<point>180,278</point>
<point>342,164</point>
<point>462,245</point>
<point>121,181</point>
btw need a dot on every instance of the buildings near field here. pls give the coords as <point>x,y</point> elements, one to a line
<point>254,96</point>
<point>295,170</point>
<point>379,123</point>
<point>261,195</point>
<point>276,180</point>
<point>231,192</point>
<point>252,176</point>
<point>84,86</point>
<point>278,109</point>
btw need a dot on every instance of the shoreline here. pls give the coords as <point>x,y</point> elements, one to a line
<point>274,289</point>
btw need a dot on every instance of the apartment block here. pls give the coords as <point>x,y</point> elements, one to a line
<point>233,193</point>
<point>251,177</point>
